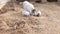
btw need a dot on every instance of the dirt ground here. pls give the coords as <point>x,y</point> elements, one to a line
<point>12,22</point>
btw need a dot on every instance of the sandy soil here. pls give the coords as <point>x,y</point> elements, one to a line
<point>12,22</point>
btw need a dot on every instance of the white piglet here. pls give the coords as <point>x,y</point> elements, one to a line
<point>28,7</point>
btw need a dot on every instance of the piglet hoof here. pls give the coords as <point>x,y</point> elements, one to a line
<point>26,13</point>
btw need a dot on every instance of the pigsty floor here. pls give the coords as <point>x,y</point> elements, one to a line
<point>12,22</point>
